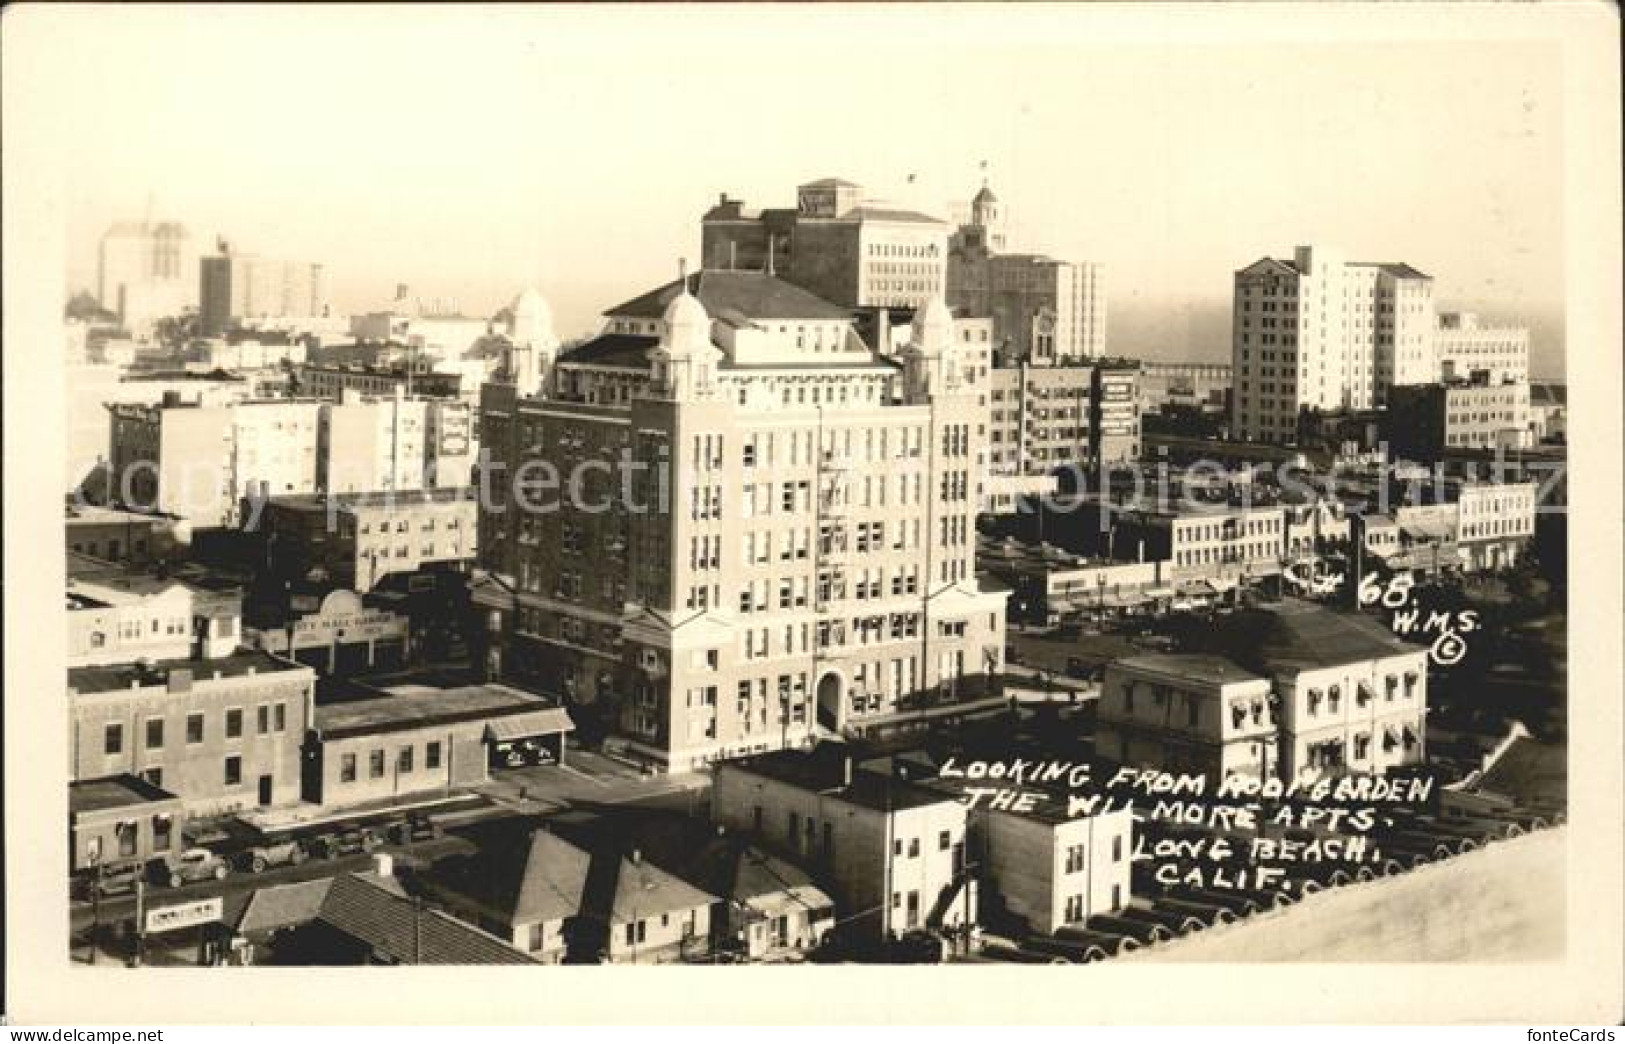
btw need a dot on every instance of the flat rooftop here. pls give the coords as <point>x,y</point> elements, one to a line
<point>823,770</point>
<point>349,501</point>
<point>239,664</point>
<point>95,795</point>
<point>410,706</point>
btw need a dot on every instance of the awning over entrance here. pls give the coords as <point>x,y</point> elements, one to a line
<point>545,722</point>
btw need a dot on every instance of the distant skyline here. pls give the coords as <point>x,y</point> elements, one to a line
<point>470,154</point>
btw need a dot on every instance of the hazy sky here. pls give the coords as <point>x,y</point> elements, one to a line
<point>473,153</point>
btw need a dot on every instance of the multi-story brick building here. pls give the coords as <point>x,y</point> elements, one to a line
<point>835,244</point>
<point>1322,334</point>
<point>222,733</point>
<point>754,526</point>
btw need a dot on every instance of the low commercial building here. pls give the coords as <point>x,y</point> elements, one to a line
<point>389,743</point>
<point>119,615</point>
<point>355,540</point>
<point>222,734</point>
<point>1049,585</point>
<point>1190,713</point>
<point>892,852</point>
<point>331,380</point>
<point>1497,522</point>
<point>122,819</point>
<point>1219,544</point>
<point>343,635</point>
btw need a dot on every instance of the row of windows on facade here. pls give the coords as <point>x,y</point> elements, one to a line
<point>378,760</point>
<point>126,833</point>
<point>845,446</point>
<point>268,717</point>
<point>1331,753</point>
<point>705,503</point>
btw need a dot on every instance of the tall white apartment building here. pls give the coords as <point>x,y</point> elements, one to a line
<point>792,552</point>
<point>1321,333</point>
<point>145,271</point>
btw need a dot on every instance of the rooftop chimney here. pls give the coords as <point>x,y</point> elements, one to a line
<point>846,770</point>
<point>383,864</point>
<point>635,857</point>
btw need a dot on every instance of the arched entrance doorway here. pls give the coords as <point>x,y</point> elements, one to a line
<point>830,687</point>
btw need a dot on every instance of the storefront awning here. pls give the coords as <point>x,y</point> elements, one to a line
<point>546,722</point>
<point>1160,592</point>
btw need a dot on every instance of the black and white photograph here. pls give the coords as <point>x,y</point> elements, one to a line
<point>861,487</point>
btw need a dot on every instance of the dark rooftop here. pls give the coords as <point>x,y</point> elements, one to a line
<point>95,795</point>
<point>1194,666</point>
<point>113,677</point>
<point>395,925</point>
<point>1299,636</point>
<point>1394,268</point>
<point>823,769</point>
<point>755,295</point>
<point>613,349</point>
<point>349,501</point>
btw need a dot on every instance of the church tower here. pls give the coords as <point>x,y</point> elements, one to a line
<point>987,215</point>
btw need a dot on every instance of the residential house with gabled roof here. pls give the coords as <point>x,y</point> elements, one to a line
<point>561,903</point>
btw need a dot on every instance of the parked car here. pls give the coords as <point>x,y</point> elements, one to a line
<point>261,858</point>
<point>1077,668</point>
<point>192,865</point>
<point>355,841</point>
<point>413,828</point>
<point>113,879</point>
